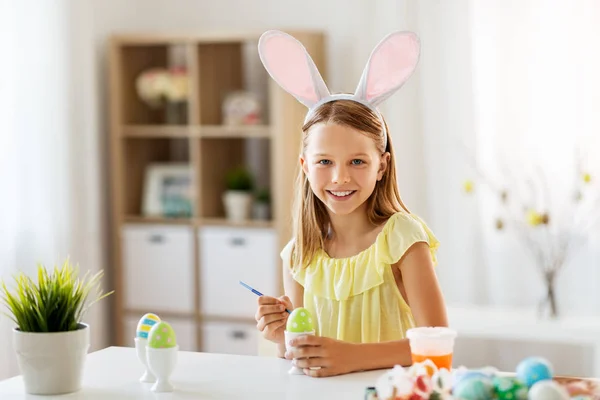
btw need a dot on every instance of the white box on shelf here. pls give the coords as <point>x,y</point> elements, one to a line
<point>185,331</point>
<point>229,255</point>
<point>158,263</point>
<point>229,338</point>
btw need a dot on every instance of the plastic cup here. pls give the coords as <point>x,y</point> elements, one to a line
<point>434,343</point>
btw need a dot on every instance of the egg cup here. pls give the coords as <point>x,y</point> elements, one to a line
<point>288,337</point>
<point>140,349</point>
<point>162,363</point>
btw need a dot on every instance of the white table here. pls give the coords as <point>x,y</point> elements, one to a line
<point>113,373</point>
<point>523,325</point>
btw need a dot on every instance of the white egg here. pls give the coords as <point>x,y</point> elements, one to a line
<point>548,390</point>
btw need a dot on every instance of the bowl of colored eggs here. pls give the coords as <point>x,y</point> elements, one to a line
<point>533,379</point>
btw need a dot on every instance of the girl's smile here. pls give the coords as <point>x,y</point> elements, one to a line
<point>342,165</point>
<point>341,195</point>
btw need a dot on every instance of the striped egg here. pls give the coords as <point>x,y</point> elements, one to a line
<point>146,323</point>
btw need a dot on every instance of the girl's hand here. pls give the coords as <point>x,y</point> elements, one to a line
<point>271,317</point>
<point>333,356</point>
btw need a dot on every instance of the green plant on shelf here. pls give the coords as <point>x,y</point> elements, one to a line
<point>263,196</point>
<point>239,179</point>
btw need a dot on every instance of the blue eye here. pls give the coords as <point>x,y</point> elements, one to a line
<point>324,162</point>
<point>357,162</point>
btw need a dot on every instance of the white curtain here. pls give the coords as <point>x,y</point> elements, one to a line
<point>536,91</point>
<point>435,105</point>
<point>517,82</point>
<point>514,86</point>
<point>49,205</point>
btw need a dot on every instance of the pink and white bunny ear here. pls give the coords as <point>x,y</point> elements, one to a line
<point>391,63</point>
<point>290,65</point>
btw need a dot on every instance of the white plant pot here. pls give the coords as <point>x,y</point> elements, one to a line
<point>261,211</point>
<point>52,363</point>
<point>238,205</point>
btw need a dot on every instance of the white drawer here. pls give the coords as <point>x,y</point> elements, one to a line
<point>185,331</point>
<point>229,255</point>
<point>229,338</point>
<point>158,268</point>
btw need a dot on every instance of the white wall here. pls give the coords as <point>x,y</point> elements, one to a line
<point>440,90</point>
<point>434,106</point>
<point>352,27</point>
<point>335,17</point>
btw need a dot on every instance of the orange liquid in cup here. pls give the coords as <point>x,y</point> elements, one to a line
<point>442,361</point>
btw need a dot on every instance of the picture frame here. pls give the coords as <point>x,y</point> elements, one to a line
<point>168,191</point>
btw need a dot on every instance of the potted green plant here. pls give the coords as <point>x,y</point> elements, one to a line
<point>262,204</point>
<point>237,198</point>
<point>50,339</point>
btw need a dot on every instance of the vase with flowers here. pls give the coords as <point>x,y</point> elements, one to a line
<point>167,89</point>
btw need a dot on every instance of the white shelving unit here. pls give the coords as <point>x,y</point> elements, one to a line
<point>186,269</point>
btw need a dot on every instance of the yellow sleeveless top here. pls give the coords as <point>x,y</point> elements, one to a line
<point>356,298</point>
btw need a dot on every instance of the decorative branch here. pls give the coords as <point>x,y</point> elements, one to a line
<point>551,234</point>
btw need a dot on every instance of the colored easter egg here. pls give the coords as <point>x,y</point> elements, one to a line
<point>145,324</point>
<point>162,336</point>
<point>468,374</point>
<point>395,381</point>
<point>548,390</point>
<point>509,388</point>
<point>475,388</point>
<point>300,320</point>
<point>534,369</point>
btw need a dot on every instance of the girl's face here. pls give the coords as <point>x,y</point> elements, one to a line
<point>342,165</point>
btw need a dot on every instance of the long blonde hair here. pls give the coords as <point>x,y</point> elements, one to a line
<point>311,220</point>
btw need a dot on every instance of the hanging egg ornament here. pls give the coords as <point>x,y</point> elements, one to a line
<point>499,224</point>
<point>534,218</point>
<point>534,369</point>
<point>587,177</point>
<point>545,219</point>
<point>468,186</point>
<point>548,390</point>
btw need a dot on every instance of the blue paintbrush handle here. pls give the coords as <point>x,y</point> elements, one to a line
<point>256,292</point>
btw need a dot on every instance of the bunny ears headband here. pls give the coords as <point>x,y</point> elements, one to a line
<point>390,64</point>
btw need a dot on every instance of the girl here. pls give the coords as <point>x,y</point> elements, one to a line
<point>360,262</point>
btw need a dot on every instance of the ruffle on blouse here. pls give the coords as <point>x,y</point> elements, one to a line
<point>341,278</point>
